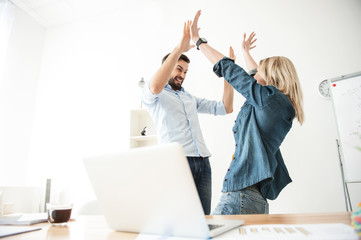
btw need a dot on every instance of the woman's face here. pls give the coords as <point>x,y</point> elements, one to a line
<point>259,79</point>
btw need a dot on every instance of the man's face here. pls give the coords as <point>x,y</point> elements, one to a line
<point>178,75</point>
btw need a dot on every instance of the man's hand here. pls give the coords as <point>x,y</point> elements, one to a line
<point>231,54</point>
<point>185,45</point>
<point>163,74</point>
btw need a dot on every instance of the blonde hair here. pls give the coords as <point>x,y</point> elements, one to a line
<point>281,73</point>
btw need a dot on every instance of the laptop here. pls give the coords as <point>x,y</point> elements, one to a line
<point>150,190</point>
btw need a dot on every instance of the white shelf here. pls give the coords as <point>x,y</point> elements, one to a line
<point>144,138</point>
<point>139,119</point>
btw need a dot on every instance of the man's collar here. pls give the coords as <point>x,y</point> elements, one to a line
<point>170,88</point>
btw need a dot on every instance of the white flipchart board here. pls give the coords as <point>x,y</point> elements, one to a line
<point>346,97</point>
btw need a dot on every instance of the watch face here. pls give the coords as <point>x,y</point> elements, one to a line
<point>324,89</point>
<point>200,41</point>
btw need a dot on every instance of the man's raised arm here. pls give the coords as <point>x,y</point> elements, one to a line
<point>161,77</point>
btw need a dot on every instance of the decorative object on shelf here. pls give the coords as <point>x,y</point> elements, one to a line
<point>144,131</point>
<point>356,220</point>
<point>324,89</point>
<point>141,84</point>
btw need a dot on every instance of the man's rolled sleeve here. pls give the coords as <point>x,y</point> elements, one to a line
<point>220,109</point>
<point>210,107</point>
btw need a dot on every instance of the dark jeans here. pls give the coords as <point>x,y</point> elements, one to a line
<point>202,175</point>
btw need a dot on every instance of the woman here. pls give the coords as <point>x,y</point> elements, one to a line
<point>273,99</point>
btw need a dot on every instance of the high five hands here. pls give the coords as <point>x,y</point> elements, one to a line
<point>185,44</point>
<point>195,34</point>
<point>190,31</point>
<point>195,29</point>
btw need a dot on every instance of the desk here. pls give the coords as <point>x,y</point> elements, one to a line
<point>95,227</point>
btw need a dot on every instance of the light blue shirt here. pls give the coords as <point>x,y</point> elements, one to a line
<point>175,114</point>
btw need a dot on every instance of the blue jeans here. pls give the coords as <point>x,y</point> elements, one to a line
<point>245,201</point>
<point>202,175</point>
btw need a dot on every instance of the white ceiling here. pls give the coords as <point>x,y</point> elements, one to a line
<point>51,13</point>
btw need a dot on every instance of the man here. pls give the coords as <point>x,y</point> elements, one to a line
<point>175,113</point>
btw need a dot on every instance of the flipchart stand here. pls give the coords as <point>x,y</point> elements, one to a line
<point>344,183</point>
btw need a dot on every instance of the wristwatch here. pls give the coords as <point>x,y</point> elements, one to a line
<point>200,41</point>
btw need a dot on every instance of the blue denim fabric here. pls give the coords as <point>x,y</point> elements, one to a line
<point>261,126</point>
<point>202,175</point>
<point>245,201</point>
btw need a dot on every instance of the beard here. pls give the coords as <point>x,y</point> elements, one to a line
<point>175,84</point>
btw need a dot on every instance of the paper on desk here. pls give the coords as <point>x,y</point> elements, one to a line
<point>331,231</point>
<point>11,230</point>
<point>24,219</point>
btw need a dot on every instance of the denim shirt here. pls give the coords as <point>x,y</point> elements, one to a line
<point>261,125</point>
<point>175,114</point>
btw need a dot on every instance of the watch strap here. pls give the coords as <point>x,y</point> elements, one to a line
<point>200,41</point>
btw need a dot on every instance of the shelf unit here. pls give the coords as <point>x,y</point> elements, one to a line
<point>140,118</point>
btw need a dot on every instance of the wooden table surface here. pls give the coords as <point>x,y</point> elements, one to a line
<point>95,227</point>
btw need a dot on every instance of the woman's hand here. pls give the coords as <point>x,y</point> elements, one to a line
<point>247,44</point>
<point>195,28</point>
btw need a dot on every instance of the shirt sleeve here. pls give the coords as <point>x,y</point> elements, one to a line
<point>147,96</point>
<point>252,72</point>
<point>242,82</point>
<point>210,107</point>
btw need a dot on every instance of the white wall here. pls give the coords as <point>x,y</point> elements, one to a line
<point>18,89</point>
<point>88,84</point>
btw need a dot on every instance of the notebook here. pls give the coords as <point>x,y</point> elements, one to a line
<point>151,190</point>
<point>6,231</point>
<point>24,219</point>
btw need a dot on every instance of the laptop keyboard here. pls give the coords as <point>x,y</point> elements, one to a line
<point>214,226</point>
